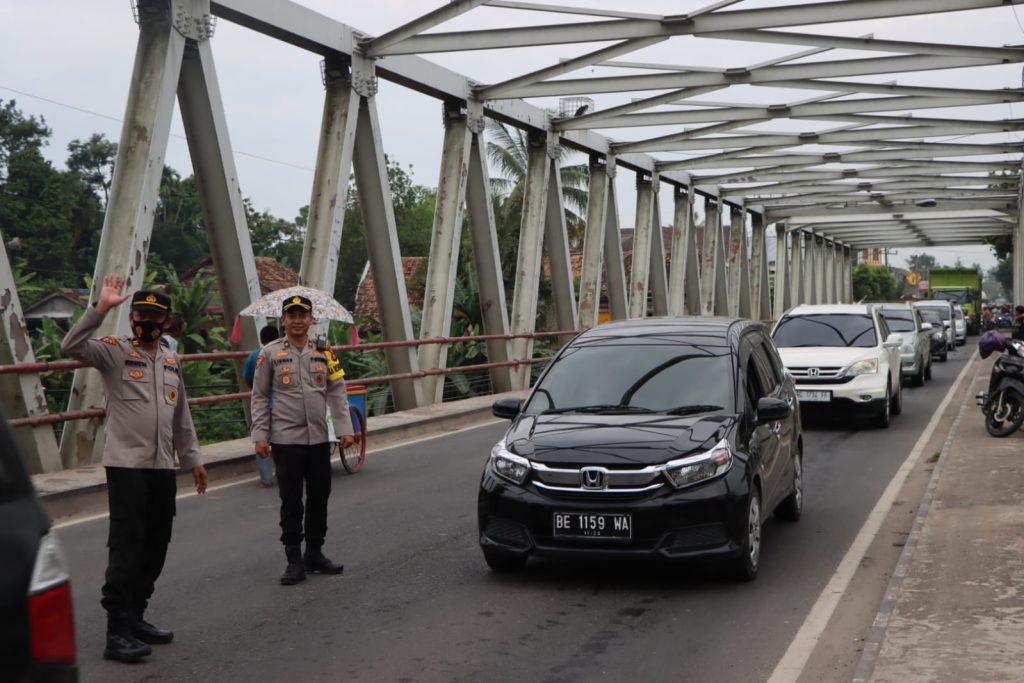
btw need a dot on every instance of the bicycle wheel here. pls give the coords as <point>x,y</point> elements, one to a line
<point>352,457</point>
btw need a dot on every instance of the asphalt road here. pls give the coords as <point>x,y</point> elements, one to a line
<point>417,602</point>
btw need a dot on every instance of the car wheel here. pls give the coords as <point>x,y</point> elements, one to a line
<point>792,507</point>
<point>504,562</point>
<point>884,417</point>
<point>897,401</point>
<point>744,567</point>
<point>944,356</point>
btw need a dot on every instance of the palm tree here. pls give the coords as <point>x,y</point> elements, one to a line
<point>508,150</point>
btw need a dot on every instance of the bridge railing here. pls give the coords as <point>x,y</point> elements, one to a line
<point>67,365</point>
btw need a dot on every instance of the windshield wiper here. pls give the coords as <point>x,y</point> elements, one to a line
<point>690,410</point>
<point>600,408</point>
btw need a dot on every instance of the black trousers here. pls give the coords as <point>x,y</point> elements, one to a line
<point>141,516</point>
<point>297,466</point>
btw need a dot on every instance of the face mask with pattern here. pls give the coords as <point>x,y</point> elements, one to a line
<point>147,330</point>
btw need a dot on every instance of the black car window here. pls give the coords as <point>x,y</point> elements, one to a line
<point>883,328</point>
<point>778,366</point>
<point>899,321</point>
<point>657,377</point>
<point>765,375</point>
<point>826,329</point>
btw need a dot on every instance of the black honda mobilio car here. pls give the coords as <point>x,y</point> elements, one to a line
<point>669,438</point>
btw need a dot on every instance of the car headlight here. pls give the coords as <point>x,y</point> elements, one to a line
<point>868,366</point>
<point>701,467</point>
<point>509,465</point>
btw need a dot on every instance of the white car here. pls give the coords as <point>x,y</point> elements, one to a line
<point>959,326</point>
<point>842,355</point>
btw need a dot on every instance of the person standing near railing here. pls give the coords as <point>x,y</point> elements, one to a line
<point>149,434</point>
<point>294,431</point>
<point>264,463</point>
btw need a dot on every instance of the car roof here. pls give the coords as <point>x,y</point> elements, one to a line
<point>834,309</point>
<point>687,329</point>
<point>934,303</point>
<point>894,306</point>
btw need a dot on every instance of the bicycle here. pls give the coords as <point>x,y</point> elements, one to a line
<point>352,457</point>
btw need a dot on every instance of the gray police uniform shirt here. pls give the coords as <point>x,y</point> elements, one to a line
<point>148,420</point>
<point>298,380</point>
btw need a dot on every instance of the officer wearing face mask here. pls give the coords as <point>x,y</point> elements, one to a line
<point>149,435</point>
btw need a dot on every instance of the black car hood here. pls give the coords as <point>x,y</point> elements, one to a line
<point>576,439</point>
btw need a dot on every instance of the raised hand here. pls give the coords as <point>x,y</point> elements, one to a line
<point>110,293</point>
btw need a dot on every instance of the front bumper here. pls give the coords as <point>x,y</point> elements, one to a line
<point>910,363</point>
<point>862,390</point>
<point>704,521</point>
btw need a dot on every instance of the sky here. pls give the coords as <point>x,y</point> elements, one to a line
<point>70,62</point>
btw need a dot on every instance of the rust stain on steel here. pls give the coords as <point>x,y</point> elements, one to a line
<point>5,298</point>
<point>19,337</point>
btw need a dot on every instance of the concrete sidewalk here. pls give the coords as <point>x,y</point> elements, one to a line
<point>83,490</point>
<point>954,608</point>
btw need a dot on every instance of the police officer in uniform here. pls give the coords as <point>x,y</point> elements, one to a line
<point>302,381</point>
<point>149,435</point>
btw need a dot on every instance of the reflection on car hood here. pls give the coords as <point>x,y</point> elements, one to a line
<point>575,439</point>
<point>816,356</point>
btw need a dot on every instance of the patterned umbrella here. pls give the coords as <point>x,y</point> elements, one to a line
<point>324,306</point>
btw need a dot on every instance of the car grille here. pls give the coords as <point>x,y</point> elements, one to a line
<point>597,483</point>
<point>825,374</point>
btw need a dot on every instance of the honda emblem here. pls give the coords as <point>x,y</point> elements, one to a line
<point>813,372</point>
<point>594,478</point>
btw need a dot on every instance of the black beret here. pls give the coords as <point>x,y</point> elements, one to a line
<point>297,301</point>
<point>151,300</point>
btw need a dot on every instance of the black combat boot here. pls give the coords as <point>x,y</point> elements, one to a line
<point>315,562</point>
<point>122,646</point>
<point>294,572</point>
<point>147,633</point>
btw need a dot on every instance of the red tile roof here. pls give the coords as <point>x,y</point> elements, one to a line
<point>414,268</point>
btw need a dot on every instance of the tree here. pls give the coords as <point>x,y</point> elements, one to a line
<point>921,264</point>
<point>414,219</point>
<point>509,151</point>
<point>874,283</point>
<point>92,162</point>
<point>18,133</point>
<point>276,237</point>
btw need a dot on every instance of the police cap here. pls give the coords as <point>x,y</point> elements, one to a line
<point>297,301</point>
<point>151,300</point>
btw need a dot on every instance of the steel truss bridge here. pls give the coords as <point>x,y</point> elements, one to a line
<point>856,149</point>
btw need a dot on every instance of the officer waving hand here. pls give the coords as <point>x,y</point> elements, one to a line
<point>149,435</point>
<point>293,430</point>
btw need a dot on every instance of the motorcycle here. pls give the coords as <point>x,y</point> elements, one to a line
<point>1003,405</point>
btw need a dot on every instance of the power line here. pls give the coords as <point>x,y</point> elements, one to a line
<point>173,135</point>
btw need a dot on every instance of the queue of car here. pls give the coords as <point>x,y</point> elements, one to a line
<point>674,439</point>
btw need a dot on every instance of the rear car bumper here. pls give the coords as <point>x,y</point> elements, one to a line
<point>704,521</point>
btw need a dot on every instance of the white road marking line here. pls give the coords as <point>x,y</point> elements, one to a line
<point>247,480</point>
<point>806,639</point>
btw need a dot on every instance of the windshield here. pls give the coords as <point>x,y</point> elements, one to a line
<point>834,329</point>
<point>636,378</point>
<point>931,317</point>
<point>957,296</point>
<point>899,321</point>
<point>943,311</point>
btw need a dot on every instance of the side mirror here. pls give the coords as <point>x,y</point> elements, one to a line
<point>771,409</point>
<point>926,326</point>
<point>945,323</point>
<point>894,339</point>
<point>507,407</point>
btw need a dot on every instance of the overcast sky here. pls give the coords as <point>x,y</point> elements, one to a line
<point>70,61</point>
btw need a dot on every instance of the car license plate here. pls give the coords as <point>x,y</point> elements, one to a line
<point>814,396</point>
<point>593,525</point>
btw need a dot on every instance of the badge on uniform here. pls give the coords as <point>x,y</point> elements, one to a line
<point>172,395</point>
<point>170,360</point>
<point>281,354</point>
<point>134,354</point>
<point>260,359</point>
<point>287,379</point>
<point>136,374</point>
<point>319,379</point>
<point>109,340</point>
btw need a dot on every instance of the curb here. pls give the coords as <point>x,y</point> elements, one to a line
<point>876,635</point>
